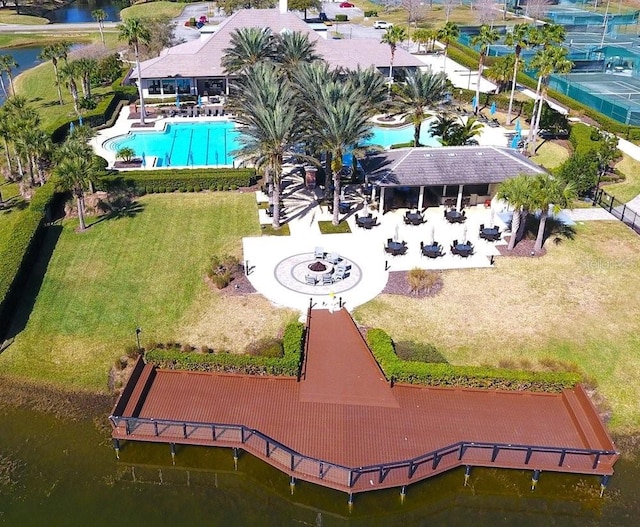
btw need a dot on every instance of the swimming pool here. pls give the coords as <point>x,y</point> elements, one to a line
<point>211,143</point>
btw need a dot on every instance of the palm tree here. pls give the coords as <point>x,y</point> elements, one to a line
<point>553,193</point>
<point>269,117</point>
<point>446,34</point>
<point>393,36</point>
<point>99,15</point>
<point>547,61</point>
<point>454,131</point>
<point>483,40</point>
<point>135,32</point>
<point>420,91</point>
<point>86,67</point>
<point>72,174</point>
<point>55,52</point>
<point>248,46</point>
<point>519,38</point>
<point>500,71</point>
<point>423,36</point>
<point>5,133</point>
<point>68,73</point>
<point>518,191</point>
<point>293,48</point>
<point>7,64</point>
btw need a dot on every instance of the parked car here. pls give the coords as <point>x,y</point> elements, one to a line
<point>381,24</point>
<point>346,4</point>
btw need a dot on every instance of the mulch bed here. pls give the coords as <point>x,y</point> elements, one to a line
<point>239,286</point>
<point>522,248</point>
<point>397,284</point>
<point>130,164</point>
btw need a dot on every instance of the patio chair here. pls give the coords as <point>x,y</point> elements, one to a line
<point>310,280</point>
<point>482,226</point>
<point>339,275</point>
<point>343,267</point>
<point>326,279</point>
<point>319,253</point>
<point>333,258</point>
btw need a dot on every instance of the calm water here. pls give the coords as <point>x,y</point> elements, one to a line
<point>26,58</point>
<point>66,474</point>
<point>211,143</point>
<point>80,11</point>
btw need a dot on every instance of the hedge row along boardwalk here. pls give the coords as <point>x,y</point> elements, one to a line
<point>344,426</point>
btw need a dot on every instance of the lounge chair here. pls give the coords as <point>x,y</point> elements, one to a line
<point>310,280</point>
<point>326,279</point>
<point>339,275</point>
<point>319,253</point>
<point>333,258</point>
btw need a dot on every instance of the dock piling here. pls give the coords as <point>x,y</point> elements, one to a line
<point>292,484</point>
<point>350,501</point>
<point>235,459</point>
<point>116,447</point>
<point>534,479</point>
<point>173,453</point>
<point>467,474</point>
<point>603,484</point>
<point>403,493</point>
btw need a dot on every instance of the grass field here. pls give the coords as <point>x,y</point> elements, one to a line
<point>577,304</point>
<point>630,187</point>
<point>146,271</point>
<point>9,16</point>
<point>153,10</point>
<point>551,155</point>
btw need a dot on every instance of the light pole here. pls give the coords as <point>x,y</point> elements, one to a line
<point>138,331</point>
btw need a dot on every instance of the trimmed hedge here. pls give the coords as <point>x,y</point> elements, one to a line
<point>17,255</point>
<point>439,374</point>
<point>288,365</point>
<point>182,180</point>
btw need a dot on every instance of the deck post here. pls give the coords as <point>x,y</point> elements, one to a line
<point>292,484</point>
<point>155,427</point>
<point>403,493</point>
<point>116,447</point>
<point>603,484</point>
<point>467,474</point>
<point>350,501</point>
<point>173,453</point>
<point>534,479</point>
<point>235,458</point>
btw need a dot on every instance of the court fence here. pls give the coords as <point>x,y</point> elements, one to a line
<point>618,209</point>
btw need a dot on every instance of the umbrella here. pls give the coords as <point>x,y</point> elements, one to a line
<point>80,120</point>
<point>167,159</point>
<point>491,218</point>
<point>199,101</point>
<point>178,100</point>
<point>473,102</point>
<point>395,234</point>
<point>433,231</point>
<point>72,127</point>
<point>515,141</point>
<point>144,161</point>
<point>518,126</point>
<point>464,233</point>
<point>493,108</point>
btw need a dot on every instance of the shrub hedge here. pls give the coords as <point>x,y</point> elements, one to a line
<point>439,374</point>
<point>288,365</point>
<point>17,255</point>
<point>182,180</point>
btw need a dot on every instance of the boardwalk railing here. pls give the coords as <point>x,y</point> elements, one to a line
<point>618,209</point>
<point>339,476</point>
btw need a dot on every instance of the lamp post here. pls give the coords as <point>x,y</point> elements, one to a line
<point>138,331</point>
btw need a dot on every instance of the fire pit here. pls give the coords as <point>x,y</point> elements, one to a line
<point>318,267</point>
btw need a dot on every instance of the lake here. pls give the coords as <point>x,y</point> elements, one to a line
<point>61,472</point>
<point>80,11</point>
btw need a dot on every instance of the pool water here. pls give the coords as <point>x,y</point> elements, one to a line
<point>212,143</point>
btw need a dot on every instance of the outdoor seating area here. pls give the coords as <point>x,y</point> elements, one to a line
<point>366,222</point>
<point>413,218</point>
<point>197,111</point>
<point>395,248</point>
<point>327,269</point>
<point>464,250</point>
<point>455,216</point>
<point>432,250</point>
<point>491,234</point>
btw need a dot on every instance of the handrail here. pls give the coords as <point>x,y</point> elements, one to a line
<point>354,473</point>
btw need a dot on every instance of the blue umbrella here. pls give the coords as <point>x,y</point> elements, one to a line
<point>199,100</point>
<point>516,140</point>
<point>80,120</point>
<point>178,100</point>
<point>518,127</point>
<point>493,108</point>
<point>72,127</point>
<point>473,102</point>
<point>144,161</point>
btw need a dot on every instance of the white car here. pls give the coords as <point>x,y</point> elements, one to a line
<point>381,24</point>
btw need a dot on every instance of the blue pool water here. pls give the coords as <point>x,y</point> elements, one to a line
<point>211,143</point>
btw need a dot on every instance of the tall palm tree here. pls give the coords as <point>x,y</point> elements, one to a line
<point>135,32</point>
<point>268,115</point>
<point>483,40</point>
<point>248,46</point>
<point>72,174</point>
<point>5,133</point>
<point>518,191</point>
<point>547,61</point>
<point>550,193</point>
<point>86,67</point>
<point>420,91</point>
<point>519,38</point>
<point>393,36</point>
<point>68,73</point>
<point>51,52</point>
<point>500,71</point>
<point>7,64</point>
<point>422,36</point>
<point>446,34</point>
<point>100,15</point>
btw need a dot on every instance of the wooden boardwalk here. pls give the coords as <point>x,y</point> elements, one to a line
<point>343,426</point>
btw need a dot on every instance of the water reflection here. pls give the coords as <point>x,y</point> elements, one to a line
<point>80,11</point>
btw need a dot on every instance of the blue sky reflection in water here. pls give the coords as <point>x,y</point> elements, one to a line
<point>211,143</point>
<point>66,474</point>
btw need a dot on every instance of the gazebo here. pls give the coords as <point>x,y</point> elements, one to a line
<point>452,176</point>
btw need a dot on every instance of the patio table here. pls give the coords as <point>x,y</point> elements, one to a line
<point>455,216</point>
<point>396,248</point>
<point>366,222</point>
<point>490,234</point>
<point>414,218</point>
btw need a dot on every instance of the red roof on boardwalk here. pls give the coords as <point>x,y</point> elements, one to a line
<point>344,412</point>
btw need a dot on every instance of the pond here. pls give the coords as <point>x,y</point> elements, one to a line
<point>80,11</point>
<point>26,58</point>
<point>59,472</point>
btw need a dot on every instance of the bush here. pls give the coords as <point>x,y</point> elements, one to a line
<point>171,180</point>
<point>418,352</point>
<point>268,347</point>
<point>421,280</point>
<point>222,270</point>
<point>370,14</point>
<point>341,18</point>
<point>464,376</point>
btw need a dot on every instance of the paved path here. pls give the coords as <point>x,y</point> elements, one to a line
<point>56,28</point>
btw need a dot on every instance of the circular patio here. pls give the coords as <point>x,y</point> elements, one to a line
<point>294,271</point>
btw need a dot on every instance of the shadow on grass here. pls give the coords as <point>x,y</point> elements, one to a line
<point>554,229</point>
<point>418,352</point>
<point>33,281</point>
<point>118,212</point>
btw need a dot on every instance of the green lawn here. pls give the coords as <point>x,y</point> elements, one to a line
<point>630,187</point>
<point>550,155</point>
<point>145,271</point>
<point>9,16</point>
<point>153,10</point>
<point>574,305</point>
